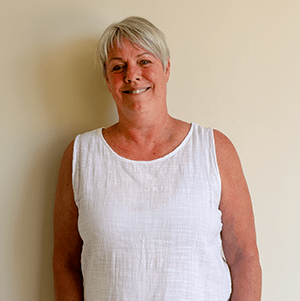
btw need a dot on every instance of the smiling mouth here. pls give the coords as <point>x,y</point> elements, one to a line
<point>136,91</point>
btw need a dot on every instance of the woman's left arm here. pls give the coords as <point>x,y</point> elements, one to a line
<point>238,232</point>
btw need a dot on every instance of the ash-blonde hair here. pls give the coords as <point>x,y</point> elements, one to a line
<point>139,32</point>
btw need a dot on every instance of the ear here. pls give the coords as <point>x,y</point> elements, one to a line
<point>167,71</point>
<point>107,82</point>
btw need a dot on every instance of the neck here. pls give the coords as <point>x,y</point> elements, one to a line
<point>142,129</point>
<point>146,139</point>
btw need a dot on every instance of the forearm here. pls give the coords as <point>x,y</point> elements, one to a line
<point>68,285</point>
<point>246,279</point>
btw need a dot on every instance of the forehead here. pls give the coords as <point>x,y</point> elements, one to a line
<point>126,48</point>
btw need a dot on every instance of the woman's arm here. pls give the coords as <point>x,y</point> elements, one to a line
<point>238,233</point>
<point>68,284</point>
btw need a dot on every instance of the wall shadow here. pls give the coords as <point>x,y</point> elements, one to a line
<point>75,100</point>
<point>76,96</point>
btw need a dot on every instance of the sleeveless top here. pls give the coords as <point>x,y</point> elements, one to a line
<point>150,229</point>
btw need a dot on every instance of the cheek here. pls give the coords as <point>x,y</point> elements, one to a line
<point>154,74</point>
<point>114,83</point>
<point>150,76</point>
<point>149,73</point>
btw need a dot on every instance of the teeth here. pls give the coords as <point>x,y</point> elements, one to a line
<point>137,91</point>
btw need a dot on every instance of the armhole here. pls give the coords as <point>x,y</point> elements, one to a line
<point>75,175</point>
<point>215,161</point>
<point>220,187</point>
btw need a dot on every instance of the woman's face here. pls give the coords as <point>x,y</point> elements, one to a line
<point>135,77</point>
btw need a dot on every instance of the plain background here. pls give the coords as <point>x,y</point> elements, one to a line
<point>235,66</point>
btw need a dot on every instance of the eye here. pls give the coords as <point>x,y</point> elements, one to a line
<point>145,62</point>
<point>118,68</point>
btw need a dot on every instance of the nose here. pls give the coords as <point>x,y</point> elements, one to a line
<point>132,74</point>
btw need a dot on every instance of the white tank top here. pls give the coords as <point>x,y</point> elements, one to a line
<point>150,229</point>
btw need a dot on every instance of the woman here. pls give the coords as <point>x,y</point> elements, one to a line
<point>144,208</point>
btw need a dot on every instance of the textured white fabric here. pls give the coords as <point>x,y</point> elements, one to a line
<point>151,229</point>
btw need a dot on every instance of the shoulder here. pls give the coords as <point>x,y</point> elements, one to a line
<point>231,171</point>
<point>234,186</point>
<point>68,153</point>
<point>227,155</point>
<point>88,136</point>
<point>84,142</point>
<point>222,142</point>
<point>65,170</point>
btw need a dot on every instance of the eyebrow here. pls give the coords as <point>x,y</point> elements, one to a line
<point>115,58</point>
<point>146,52</point>
<point>139,55</point>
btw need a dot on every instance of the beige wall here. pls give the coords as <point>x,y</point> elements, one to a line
<point>235,67</point>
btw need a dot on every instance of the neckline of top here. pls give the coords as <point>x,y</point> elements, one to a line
<point>183,142</point>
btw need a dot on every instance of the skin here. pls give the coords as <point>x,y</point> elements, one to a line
<point>146,131</point>
<point>68,281</point>
<point>238,232</point>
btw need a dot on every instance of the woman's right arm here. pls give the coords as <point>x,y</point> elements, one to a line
<point>68,282</point>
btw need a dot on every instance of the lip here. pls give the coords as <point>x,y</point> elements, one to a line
<point>136,91</point>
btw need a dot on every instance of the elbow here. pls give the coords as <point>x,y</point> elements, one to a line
<point>65,264</point>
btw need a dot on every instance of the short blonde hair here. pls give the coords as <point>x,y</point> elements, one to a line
<point>139,32</point>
